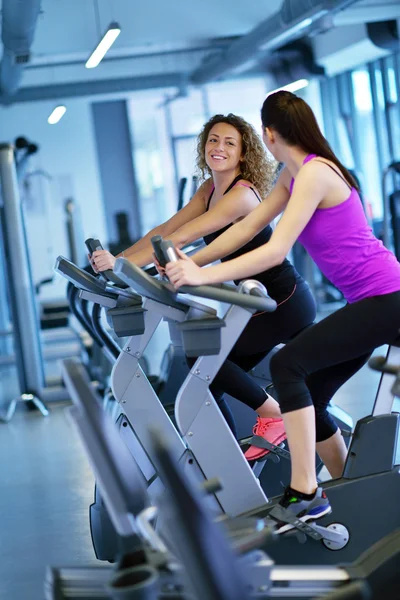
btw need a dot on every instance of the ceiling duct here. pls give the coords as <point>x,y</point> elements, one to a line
<point>385,34</point>
<point>296,19</point>
<point>293,62</point>
<point>19,19</point>
<point>101,86</point>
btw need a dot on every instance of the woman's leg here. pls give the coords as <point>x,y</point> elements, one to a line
<point>233,379</point>
<point>268,408</point>
<point>322,386</point>
<point>300,432</point>
<point>347,335</point>
<point>227,413</point>
<point>333,453</point>
<point>261,335</point>
<point>291,317</point>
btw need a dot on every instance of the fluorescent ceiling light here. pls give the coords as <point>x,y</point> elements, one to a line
<point>291,87</point>
<point>104,45</point>
<point>56,115</point>
<point>303,24</point>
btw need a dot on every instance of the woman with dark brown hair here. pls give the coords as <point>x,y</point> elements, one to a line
<point>237,173</point>
<point>322,209</point>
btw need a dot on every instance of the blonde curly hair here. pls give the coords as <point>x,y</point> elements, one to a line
<point>256,167</point>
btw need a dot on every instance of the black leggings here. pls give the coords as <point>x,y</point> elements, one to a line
<point>262,333</point>
<point>312,367</point>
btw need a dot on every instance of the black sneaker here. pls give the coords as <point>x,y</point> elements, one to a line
<point>290,508</point>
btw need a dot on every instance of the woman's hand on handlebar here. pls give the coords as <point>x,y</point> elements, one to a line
<point>159,268</point>
<point>92,263</point>
<point>102,260</point>
<point>184,271</point>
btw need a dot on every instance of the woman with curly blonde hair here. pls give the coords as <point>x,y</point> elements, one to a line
<point>237,173</point>
<point>255,166</point>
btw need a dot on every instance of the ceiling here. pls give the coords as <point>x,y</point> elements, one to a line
<point>158,39</point>
<point>69,27</point>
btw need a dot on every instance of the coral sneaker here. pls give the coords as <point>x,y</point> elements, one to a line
<point>272,430</point>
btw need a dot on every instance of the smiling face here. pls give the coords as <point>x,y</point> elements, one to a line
<point>223,149</point>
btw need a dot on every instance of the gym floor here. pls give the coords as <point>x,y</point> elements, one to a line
<point>47,486</point>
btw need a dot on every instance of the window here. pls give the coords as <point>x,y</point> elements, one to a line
<point>186,117</point>
<point>186,152</point>
<point>391,79</point>
<point>187,114</point>
<point>392,87</point>
<point>312,95</point>
<point>336,123</point>
<point>243,97</point>
<point>152,157</point>
<point>367,141</point>
<point>379,111</point>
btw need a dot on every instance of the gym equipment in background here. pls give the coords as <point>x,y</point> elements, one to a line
<point>391,209</point>
<point>28,348</point>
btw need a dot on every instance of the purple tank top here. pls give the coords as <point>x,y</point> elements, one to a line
<point>342,245</point>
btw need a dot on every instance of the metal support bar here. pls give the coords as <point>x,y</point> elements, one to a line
<point>206,432</point>
<point>25,319</point>
<point>133,391</point>
<point>383,404</point>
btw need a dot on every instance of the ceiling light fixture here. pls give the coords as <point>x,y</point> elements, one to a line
<point>103,46</point>
<point>291,87</point>
<point>56,114</point>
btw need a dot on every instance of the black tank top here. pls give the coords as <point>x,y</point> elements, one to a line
<point>280,281</point>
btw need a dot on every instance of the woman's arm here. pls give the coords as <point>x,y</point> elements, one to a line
<point>239,234</point>
<point>236,204</point>
<point>309,190</point>
<point>192,210</point>
<point>141,253</point>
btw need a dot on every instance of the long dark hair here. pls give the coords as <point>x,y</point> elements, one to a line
<point>295,122</point>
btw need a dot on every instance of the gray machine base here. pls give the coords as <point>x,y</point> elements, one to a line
<point>365,506</point>
<point>363,501</point>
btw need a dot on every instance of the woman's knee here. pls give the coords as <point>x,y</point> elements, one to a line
<point>289,381</point>
<point>325,425</point>
<point>283,366</point>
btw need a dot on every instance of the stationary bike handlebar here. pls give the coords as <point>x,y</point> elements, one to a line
<point>109,275</point>
<point>252,294</point>
<point>166,252</point>
<point>83,280</point>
